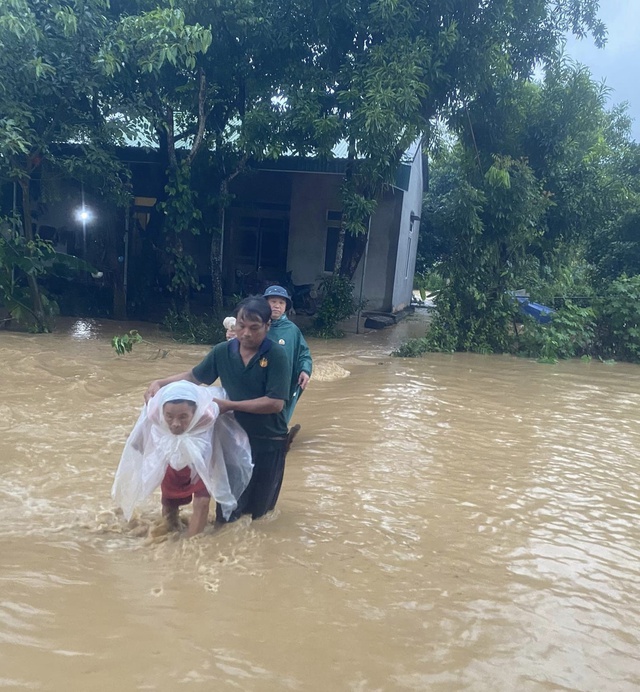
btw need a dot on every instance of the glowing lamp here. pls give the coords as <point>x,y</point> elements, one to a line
<point>84,215</point>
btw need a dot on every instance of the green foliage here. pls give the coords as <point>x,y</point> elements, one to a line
<point>181,217</point>
<point>540,182</point>
<point>563,276</point>
<point>386,68</point>
<point>471,321</point>
<point>428,281</point>
<point>615,249</point>
<point>194,329</point>
<point>570,334</point>
<point>49,75</point>
<point>488,224</point>
<point>337,303</point>
<point>199,80</point>
<point>356,209</point>
<point>609,330</point>
<point>150,40</point>
<point>413,348</point>
<point>239,81</point>
<point>124,343</point>
<point>21,259</point>
<point>618,313</point>
<point>48,99</point>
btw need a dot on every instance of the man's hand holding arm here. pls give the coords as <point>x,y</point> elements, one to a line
<point>263,404</point>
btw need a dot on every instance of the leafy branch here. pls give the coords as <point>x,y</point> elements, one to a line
<point>124,343</point>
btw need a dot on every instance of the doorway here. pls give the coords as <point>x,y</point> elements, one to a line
<point>260,252</point>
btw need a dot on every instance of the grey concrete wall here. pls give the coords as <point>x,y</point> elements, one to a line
<point>311,196</point>
<point>391,255</point>
<point>408,239</point>
<point>377,288</point>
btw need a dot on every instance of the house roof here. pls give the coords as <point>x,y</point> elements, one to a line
<point>338,164</point>
<point>300,164</point>
<point>307,164</point>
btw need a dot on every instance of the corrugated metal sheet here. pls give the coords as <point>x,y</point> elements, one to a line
<point>299,164</point>
<point>341,149</point>
<point>310,163</point>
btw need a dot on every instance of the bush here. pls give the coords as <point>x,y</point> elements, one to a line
<point>618,313</point>
<point>412,348</point>
<point>337,303</point>
<point>570,334</point>
<point>428,281</point>
<point>194,329</point>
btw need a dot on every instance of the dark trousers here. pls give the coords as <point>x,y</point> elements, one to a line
<point>261,495</point>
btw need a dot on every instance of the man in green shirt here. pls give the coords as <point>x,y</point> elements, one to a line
<point>254,372</point>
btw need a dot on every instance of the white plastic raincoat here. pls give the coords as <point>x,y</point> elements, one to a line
<point>214,447</point>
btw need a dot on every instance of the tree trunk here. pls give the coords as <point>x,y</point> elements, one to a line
<point>115,245</point>
<point>171,139</point>
<point>119,299</point>
<point>355,246</point>
<point>34,289</point>
<point>216,279</point>
<point>217,235</point>
<point>342,236</point>
<point>214,255</point>
<point>202,119</point>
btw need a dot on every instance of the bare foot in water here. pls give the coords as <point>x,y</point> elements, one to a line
<point>170,521</point>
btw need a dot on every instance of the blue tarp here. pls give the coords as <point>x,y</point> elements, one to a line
<point>541,313</point>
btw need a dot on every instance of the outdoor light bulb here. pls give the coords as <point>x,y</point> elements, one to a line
<point>83,214</point>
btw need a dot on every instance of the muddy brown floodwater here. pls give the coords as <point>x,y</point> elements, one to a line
<point>455,522</point>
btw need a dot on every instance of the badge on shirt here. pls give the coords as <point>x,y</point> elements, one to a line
<point>281,342</point>
<point>263,362</point>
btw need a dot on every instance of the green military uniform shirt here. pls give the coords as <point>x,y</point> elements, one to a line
<point>266,374</point>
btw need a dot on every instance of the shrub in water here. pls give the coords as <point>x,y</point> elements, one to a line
<point>570,334</point>
<point>194,329</point>
<point>337,304</point>
<point>618,313</point>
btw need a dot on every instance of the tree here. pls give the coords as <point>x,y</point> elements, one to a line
<point>240,81</point>
<point>614,247</point>
<point>579,151</point>
<point>201,78</point>
<point>218,84</point>
<point>377,72</point>
<point>158,93</point>
<point>488,224</point>
<point>49,98</point>
<point>534,179</point>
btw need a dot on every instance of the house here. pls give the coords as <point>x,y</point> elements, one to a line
<point>285,217</point>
